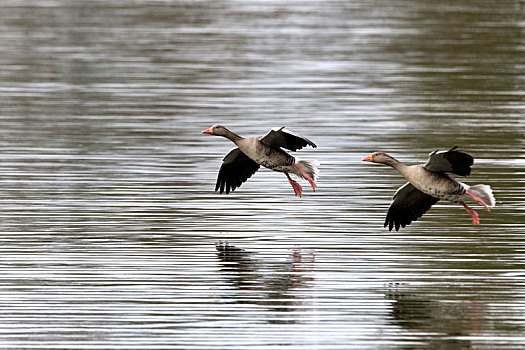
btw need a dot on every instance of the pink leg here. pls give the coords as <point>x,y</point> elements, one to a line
<point>477,199</point>
<point>302,267</point>
<point>308,178</point>
<point>472,212</point>
<point>296,187</point>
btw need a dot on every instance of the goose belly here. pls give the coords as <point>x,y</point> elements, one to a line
<point>272,158</point>
<point>445,190</point>
<point>440,186</point>
<point>282,168</point>
<point>275,165</point>
<point>455,196</point>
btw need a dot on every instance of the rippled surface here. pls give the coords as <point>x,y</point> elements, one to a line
<point>109,220</point>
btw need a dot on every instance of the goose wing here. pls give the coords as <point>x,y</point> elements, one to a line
<point>408,204</point>
<point>236,168</point>
<point>451,161</point>
<point>282,137</point>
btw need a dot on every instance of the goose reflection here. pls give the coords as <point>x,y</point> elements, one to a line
<point>278,285</point>
<point>426,313</point>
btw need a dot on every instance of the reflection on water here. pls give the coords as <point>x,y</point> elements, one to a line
<point>108,215</point>
<point>266,283</point>
<point>426,316</point>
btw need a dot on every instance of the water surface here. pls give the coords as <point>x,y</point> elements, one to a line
<point>109,222</point>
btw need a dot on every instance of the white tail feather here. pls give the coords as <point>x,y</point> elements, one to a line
<point>310,168</point>
<point>484,192</point>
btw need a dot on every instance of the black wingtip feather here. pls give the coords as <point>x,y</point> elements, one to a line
<point>285,138</point>
<point>235,170</point>
<point>451,161</point>
<point>408,205</point>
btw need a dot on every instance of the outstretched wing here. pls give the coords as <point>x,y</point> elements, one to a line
<point>236,168</point>
<point>282,137</point>
<point>408,204</point>
<point>450,161</point>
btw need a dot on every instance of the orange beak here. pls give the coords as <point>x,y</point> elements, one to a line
<point>367,159</point>
<point>207,131</point>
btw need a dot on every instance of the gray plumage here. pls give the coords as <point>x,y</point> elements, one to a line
<point>430,182</point>
<point>244,160</point>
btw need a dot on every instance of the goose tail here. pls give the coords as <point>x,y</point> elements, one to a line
<point>310,168</point>
<point>484,192</point>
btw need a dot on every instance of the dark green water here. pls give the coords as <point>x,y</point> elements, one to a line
<point>108,219</point>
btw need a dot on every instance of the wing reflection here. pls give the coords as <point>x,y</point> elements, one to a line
<point>424,312</point>
<point>278,285</point>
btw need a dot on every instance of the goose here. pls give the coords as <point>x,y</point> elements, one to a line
<point>430,182</point>
<point>244,160</point>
